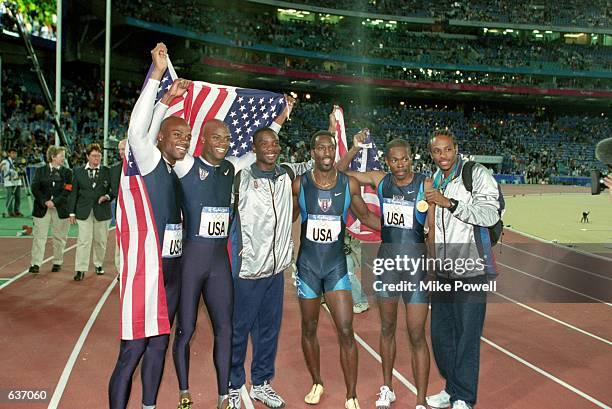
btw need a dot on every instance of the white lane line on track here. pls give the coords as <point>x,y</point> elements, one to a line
<point>546,374</point>
<point>554,284</point>
<point>376,356</point>
<point>61,385</point>
<point>558,262</point>
<point>558,321</point>
<point>539,370</point>
<point>246,399</point>
<point>575,250</point>
<point>26,271</point>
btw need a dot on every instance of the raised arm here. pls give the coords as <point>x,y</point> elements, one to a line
<point>371,178</point>
<point>359,207</point>
<point>142,114</point>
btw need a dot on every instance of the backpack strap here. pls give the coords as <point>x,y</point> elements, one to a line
<point>466,175</point>
<point>289,171</point>
<point>236,191</point>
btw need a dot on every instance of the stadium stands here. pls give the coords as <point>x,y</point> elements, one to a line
<point>532,145</point>
<point>544,12</point>
<point>349,47</point>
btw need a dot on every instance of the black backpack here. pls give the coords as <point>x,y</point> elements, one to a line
<point>497,230</point>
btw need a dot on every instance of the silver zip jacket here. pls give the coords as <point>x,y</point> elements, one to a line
<point>262,244</point>
<point>463,235</point>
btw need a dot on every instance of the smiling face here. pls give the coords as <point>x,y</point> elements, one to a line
<point>443,150</point>
<point>324,152</point>
<point>266,148</point>
<point>215,141</point>
<point>174,138</point>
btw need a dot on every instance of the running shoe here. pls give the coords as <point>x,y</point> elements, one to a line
<point>385,397</point>
<point>267,395</point>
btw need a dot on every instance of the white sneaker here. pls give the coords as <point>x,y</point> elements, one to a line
<point>234,401</point>
<point>267,395</point>
<point>441,400</point>
<point>461,405</point>
<point>420,407</point>
<point>385,397</point>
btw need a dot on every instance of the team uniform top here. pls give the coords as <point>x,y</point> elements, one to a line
<point>321,262</point>
<point>402,235</point>
<point>400,221</point>
<point>162,183</point>
<point>323,221</point>
<point>207,193</point>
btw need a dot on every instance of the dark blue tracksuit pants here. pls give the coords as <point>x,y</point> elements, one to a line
<point>258,311</point>
<point>205,274</point>
<point>457,319</point>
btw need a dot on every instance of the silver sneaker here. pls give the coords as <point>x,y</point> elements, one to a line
<point>439,401</point>
<point>234,401</point>
<point>461,405</point>
<point>267,395</point>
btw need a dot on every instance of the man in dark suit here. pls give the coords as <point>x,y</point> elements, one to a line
<point>89,206</point>
<point>51,187</point>
<point>115,172</point>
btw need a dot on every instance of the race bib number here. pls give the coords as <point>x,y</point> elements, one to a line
<point>322,228</point>
<point>398,213</point>
<point>214,222</point>
<point>173,241</point>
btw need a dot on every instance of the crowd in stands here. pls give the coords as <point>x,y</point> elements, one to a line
<point>596,13</point>
<point>27,124</point>
<point>402,73</point>
<point>534,145</point>
<point>531,144</point>
<point>399,45</point>
<point>39,17</point>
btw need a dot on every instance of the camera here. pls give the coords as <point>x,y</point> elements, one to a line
<point>603,153</point>
<point>597,185</point>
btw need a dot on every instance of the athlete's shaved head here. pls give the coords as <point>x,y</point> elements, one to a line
<point>170,122</point>
<point>214,125</point>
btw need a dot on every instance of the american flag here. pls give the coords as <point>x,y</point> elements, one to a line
<point>365,160</point>
<point>144,311</point>
<point>244,111</point>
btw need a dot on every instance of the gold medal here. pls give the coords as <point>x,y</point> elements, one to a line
<point>422,206</point>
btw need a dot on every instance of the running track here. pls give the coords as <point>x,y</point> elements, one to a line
<point>534,355</point>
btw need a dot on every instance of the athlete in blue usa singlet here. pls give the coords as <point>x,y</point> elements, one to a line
<point>323,214</point>
<point>403,215</point>
<point>322,197</point>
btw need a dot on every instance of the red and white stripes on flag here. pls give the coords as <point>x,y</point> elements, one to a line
<point>144,311</point>
<point>202,102</point>
<point>354,226</point>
